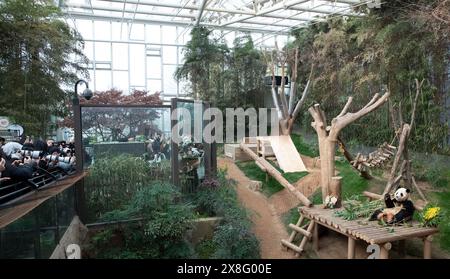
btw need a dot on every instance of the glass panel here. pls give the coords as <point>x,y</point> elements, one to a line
<point>153,67</point>
<point>89,50</point>
<point>126,149</point>
<point>191,150</point>
<point>137,32</point>
<point>120,56</point>
<point>119,30</point>
<point>170,55</point>
<point>102,51</point>
<point>120,80</point>
<point>36,234</point>
<point>103,80</point>
<point>153,34</point>
<point>102,30</point>
<point>85,28</point>
<point>137,64</point>
<point>170,84</point>
<point>154,86</point>
<point>169,34</point>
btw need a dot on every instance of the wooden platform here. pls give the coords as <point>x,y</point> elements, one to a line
<point>16,209</point>
<point>370,232</point>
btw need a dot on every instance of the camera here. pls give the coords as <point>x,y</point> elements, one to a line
<point>67,160</point>
<point>32,154</point>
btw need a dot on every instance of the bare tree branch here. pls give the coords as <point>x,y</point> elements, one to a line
<point>340,122</point>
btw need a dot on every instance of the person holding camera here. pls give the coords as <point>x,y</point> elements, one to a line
<point>11,148</point>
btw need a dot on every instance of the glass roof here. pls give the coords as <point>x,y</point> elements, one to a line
<point>265,16</point>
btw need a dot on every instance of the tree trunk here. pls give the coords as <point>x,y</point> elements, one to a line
<point>327,149</point>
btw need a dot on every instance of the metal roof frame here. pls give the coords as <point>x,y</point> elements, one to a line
<point>262,16</point>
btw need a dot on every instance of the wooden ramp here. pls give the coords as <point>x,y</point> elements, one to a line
<point>287,155</point>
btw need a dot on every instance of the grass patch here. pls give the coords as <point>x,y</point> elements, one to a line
<point>443,200</point>
<point>252,171</point>
<point>303,148</point>
<point>290,217</point>
<point>352,183</point>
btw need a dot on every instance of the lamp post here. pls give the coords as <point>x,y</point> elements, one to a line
<point>87,94</point>
<point>80,204</point>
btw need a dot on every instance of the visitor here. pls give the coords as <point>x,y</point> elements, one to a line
<point>11,148</point>
<point>2,141</point>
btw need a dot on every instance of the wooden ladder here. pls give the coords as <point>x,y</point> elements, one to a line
<point>305,230</point>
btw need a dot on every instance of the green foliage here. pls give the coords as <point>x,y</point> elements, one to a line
<point>40,54</point>
<point>225,77</point>
<point>303,148</point>
<point>233,238</point>
<point>352,183</point>
<point>161,233</point>
<point>358,207</point>
<point>360,56</point>
<point>114,180</point>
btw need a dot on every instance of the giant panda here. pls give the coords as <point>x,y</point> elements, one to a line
<point>398,209</point>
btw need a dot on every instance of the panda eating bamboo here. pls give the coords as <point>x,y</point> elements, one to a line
<point>398,209</point>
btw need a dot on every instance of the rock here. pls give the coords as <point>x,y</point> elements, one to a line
<point>255,185</point>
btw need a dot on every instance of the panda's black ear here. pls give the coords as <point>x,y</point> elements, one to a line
<point>408,191</point>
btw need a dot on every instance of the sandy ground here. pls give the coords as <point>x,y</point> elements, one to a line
<point>267,224</point>
<point>266,213</point>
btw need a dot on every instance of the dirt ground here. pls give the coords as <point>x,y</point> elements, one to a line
<point>266,213</point>
<point>267,225</point>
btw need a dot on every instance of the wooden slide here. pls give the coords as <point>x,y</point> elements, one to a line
<point>287,155</point>
<point>265,166</point>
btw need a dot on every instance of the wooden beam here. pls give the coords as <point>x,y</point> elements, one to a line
<point>277,175</point>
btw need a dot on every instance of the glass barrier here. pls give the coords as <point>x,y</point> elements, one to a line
<point>36,234</point>
<point>125,149</point>
<point>191,151</point>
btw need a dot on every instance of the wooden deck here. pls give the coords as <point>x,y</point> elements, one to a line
<point>370,232</point>
<point>16,209</point>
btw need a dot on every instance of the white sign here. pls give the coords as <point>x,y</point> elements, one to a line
<point>4,122</point>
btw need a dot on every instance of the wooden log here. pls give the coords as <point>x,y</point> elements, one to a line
<point>384,250</point>
<point>351,248</point>
<point>316,238</point>
<point>305,239</point>
<point>300,230</point>
<point>277,175</point>
<point>401,148</point>
<point>260,166</point>
<point>418,189</point>
<point>291,246</point>
<point>427,247</point>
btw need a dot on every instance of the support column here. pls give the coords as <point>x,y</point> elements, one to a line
<point>351,248</point>
<point>315,237</point>
<point>427,247</point>
<point>384,250</point>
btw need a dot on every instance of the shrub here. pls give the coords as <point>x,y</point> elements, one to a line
<point>159,235</point>
<point>232,238</point>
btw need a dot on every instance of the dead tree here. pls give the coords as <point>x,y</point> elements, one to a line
<point>401,167</point>
<point>288,110</point>
<point>328,138</point>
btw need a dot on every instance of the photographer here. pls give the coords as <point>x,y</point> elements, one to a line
<point>18,167</point>
<point>11,148</point>
<point>3,176</point>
